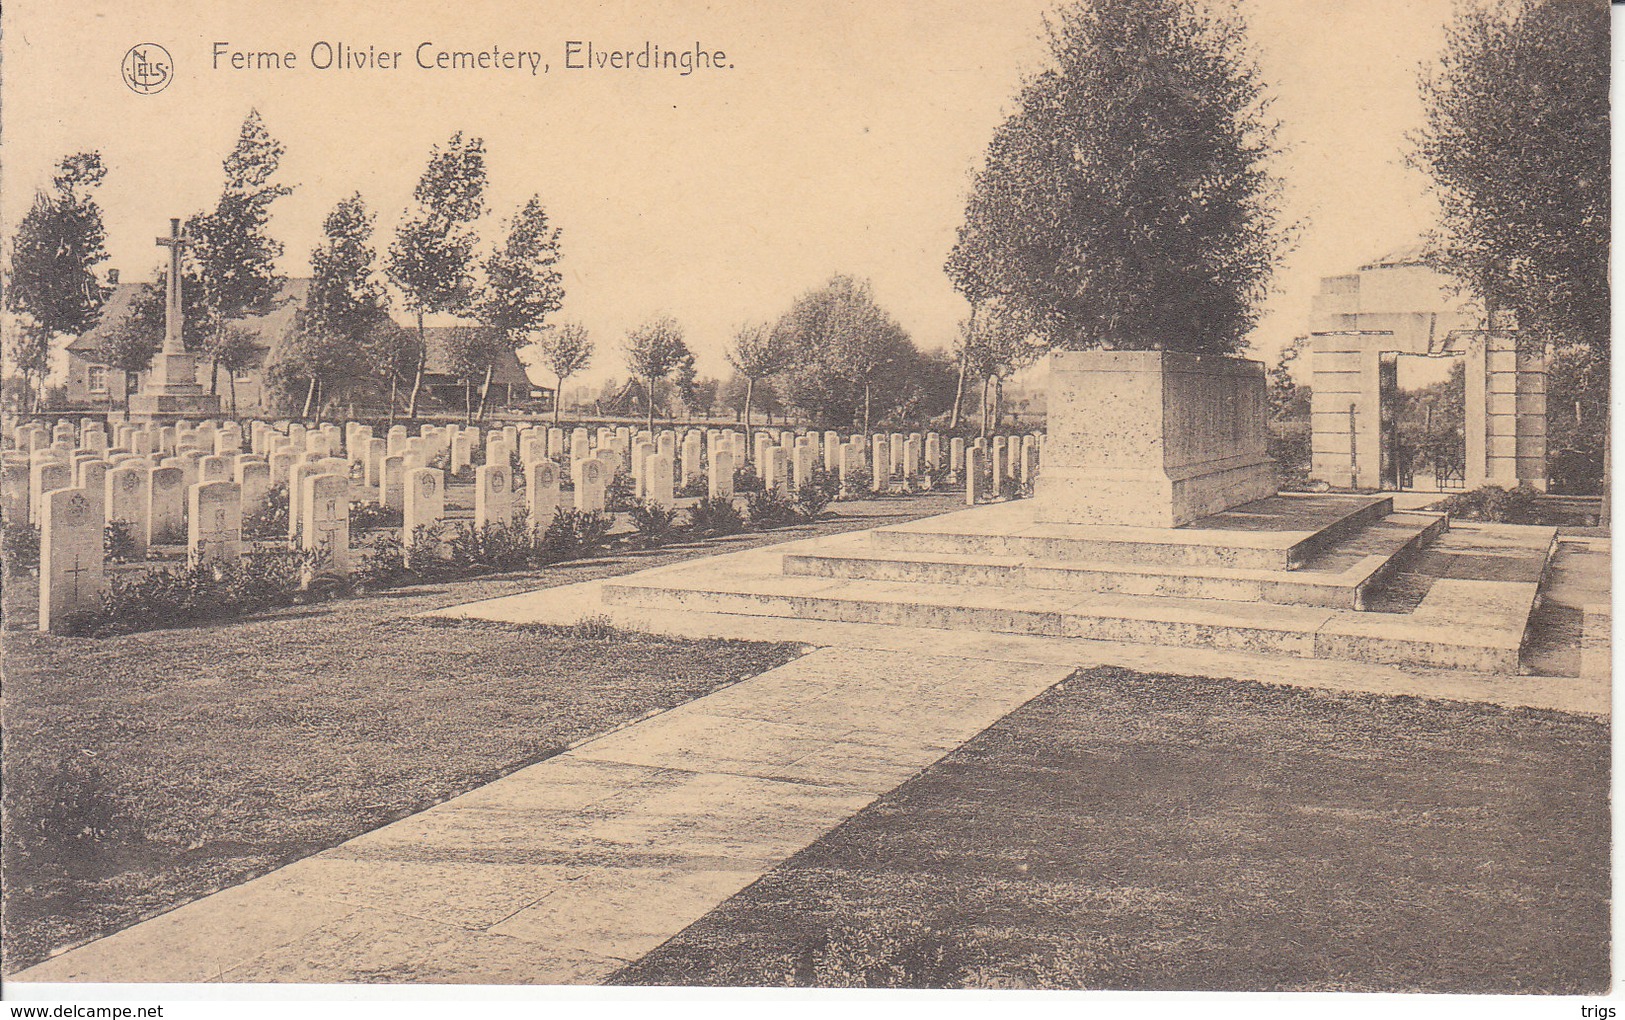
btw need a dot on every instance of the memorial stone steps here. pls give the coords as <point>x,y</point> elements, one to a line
<point>1334,581</point>
<point>1119,584</point>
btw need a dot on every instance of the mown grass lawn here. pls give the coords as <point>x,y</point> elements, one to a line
<point>144,771</point>
<point>1126,831</point>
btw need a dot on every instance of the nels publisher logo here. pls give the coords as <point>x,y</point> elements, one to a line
<point>147,68</point>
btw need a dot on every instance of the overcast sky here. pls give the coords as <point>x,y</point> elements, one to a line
<point>841,139</point>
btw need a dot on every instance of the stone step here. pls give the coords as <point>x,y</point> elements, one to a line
<point>1300,631</point>
<point>1342,584</point>
<point>1280,533</point>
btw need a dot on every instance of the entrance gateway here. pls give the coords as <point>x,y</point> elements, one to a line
<point>1504,414</point>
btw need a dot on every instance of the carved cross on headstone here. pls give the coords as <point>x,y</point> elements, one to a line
<point>173,321</point>
<point>74,573</point>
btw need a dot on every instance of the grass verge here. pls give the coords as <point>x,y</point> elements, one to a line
<point>145,770</point>
<point>1126,831</point>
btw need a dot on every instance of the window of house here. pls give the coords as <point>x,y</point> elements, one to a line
<point>97,377</point>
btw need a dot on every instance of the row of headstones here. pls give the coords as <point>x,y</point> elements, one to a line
<point>147,494</point>
<point>72,522</point>
<point>990,462</point>
<point>895,455</point>
<point>785,459</point>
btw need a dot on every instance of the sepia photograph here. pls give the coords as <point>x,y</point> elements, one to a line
<point>1007,496</point>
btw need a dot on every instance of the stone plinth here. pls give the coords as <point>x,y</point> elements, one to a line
<point>1152,438</point>
<point>172,391</point>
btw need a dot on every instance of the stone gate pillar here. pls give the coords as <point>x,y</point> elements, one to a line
<point>1505,413</point>
<point>1346,410</point>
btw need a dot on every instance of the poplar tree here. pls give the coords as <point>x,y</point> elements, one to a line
<point>1129,201</point>
<point>51,277</point>
<point>432,258</point>
<point>523,286</point>
<point>235,258</point>
<point>346,300</point>
<point>567,349</point>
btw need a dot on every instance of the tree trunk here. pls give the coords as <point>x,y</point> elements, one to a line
<point>964,366</point>
<point>214,375</point>
<point>750,385</point>
<point>485,391</point>
<point>468,401</point>
<point>558,399</point>
<point>417,377</point>
<point>866,405</point>
<point>986,384</point>
<point>394,395</point>
<point>651,407</point>
<point>231,381</point>
<point>310,398</point>
<point>959,389</point>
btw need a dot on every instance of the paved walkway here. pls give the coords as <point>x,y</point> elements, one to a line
<point>564,871</point>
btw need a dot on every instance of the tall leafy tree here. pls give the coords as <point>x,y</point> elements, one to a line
<point>1129,201</point>
<point>345,303</point>
<point>654,351</point>
<point>234,256</point>
<point>1516,142</point>
<point>523,285</point>
<point>1287,398</point>
<point>128,346</point>
<point>566,349</point>
<point>51,278</point>
<point>236,349</point>
<point>28,350</point>
<point>758,351</point>
<point>845,349</point>
<point>431,260</point>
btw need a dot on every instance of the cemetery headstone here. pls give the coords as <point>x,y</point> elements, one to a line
<point>91,476</point>
<point>392,481</point>
<point>589,474</point>
<point>166,506</point>
<point>541,492</point>
<point>254,479</point>
<point>214,523</point>
<point>125,501</point>
<point>45,475</point>
<point>975,475</point>
<point>720,484</point>
<point>493,496</point>
<point>657,480</point>
<point>425,507</point>
<point>72,573</point>
<point>325,516</point>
